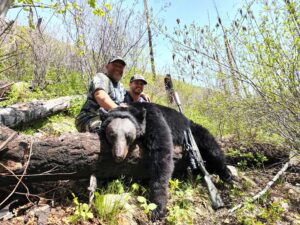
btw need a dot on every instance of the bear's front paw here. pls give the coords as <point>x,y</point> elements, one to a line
<point>157,214</point>
<point>226,176</point>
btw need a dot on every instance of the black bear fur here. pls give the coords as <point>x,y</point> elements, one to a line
<point>159,128</point>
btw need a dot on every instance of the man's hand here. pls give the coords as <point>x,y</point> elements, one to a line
<point>123,105</point>
<point>104,100</point>
<point>145,96</point>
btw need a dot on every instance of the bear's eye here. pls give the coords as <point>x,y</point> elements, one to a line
<point>112,134</point>
<point>129,139</point>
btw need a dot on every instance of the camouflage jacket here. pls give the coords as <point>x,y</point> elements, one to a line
<point>90,109</point>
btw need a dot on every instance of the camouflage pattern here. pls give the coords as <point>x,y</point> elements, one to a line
<point>88,119</point>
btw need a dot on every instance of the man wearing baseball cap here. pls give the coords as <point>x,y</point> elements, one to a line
<point>136,88</point>
<point>106,91</point>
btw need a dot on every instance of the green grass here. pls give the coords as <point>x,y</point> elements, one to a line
<point>221,114</point>
<point>53,125</point>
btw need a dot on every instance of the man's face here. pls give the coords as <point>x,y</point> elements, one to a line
<point>137,86</point>
<point>115,70</point>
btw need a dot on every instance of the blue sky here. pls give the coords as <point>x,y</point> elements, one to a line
<point>196,10</point>
<point>201,12</point>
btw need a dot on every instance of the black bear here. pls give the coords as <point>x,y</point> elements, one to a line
<point>159,128</point>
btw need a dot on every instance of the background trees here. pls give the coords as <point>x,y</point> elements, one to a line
<point>247,69</point>
<point>251,65</point>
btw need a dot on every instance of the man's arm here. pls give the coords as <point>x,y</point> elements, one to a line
<point>104,100</point>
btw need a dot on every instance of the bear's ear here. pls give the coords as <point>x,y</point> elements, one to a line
<point>141,119</point>
<point>141,116</point>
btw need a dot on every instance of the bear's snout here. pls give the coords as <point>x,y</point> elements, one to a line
<point>119,159</point>
<point>119,153</point>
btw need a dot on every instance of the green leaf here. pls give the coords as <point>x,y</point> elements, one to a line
<point>108,6</point>
<point>67,6</point>
<point>90,215</point>
<point>152,206</point>
<point>110,21</point>
<point>92,3</point>
<point>141,199</point>
<point>76,6</point>
<point>99,12</point>
<point>135,187</point>
<point>75,200</point>
<point>85,207</point>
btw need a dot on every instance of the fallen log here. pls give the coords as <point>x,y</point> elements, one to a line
<point>23,113</point>
<point>70,156</point>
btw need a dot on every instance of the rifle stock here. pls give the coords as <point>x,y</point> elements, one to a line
<point>215,197</point>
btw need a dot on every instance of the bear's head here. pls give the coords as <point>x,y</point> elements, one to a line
<point>120,128</point>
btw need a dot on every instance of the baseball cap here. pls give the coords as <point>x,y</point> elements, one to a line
<point>138,77</point>
<point>117,58</point>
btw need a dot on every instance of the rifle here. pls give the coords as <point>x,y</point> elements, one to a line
<point>194,156</point>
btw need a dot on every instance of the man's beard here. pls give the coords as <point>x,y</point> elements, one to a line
<point>137,91</point>
<point>116,77</point>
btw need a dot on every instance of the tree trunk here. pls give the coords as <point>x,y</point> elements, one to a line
<point>70,156</point>
<point>231,65</point>
<point>22,113</point>
<point>221,75</point>
<point>150,39</point>
<point>4,7</point>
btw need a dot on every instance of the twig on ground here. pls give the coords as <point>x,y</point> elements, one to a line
<point>3,89</point>
<point>37,175</point>
<point>14,175</point>
<point>20,180</point>
<point>22,193</point>
<point>3,99</point>
<point>267,187</point>
<point>11,137</point>
<point>6,85</point>
<point>92,188</point>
